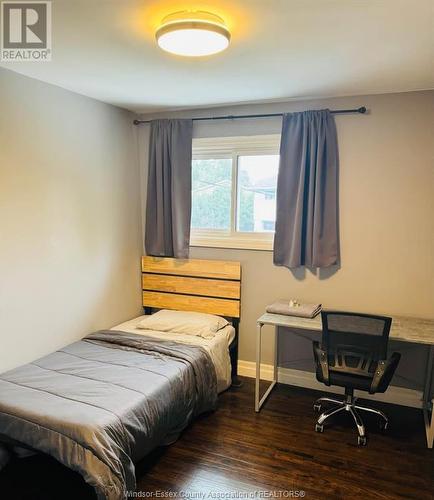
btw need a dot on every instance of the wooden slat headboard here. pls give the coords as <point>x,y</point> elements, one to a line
<point>210,286</point>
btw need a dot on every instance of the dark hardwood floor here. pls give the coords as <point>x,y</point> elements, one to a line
<point>234,452</point>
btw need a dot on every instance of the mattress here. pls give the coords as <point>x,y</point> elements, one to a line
<point>217,347</point>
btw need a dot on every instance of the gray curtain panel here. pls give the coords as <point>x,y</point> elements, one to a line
<point>168,203</point>
<point>307,192</point>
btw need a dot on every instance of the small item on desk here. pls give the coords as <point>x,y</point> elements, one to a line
<point>294,308</point>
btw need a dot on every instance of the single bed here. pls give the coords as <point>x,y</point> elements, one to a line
<point>101,404</point>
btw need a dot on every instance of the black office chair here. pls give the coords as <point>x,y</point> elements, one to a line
<point>353,354</point>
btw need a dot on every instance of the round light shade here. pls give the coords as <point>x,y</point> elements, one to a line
<point>193,34</point>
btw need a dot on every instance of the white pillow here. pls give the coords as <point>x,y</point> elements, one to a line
<point>186,322</point>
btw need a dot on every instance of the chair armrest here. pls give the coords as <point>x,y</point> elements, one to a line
<point>321,361</point>
<point>384,373</point>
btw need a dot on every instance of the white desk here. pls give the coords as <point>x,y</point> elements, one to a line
<point>411,330</point>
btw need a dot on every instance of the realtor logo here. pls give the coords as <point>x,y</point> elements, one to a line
<point>26,31</point>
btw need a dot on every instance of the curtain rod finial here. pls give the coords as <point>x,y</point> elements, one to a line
<point>362,110</point>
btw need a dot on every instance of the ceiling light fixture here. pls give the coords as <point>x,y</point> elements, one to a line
<point>193,34</point>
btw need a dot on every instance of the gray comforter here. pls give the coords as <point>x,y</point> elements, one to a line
<point>103,403</point>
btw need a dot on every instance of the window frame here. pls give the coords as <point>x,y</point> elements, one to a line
<point>233,147</point>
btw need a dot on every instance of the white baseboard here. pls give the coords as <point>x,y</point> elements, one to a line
<point>299,378</point>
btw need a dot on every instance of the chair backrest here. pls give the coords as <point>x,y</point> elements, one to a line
<point>354,341</point>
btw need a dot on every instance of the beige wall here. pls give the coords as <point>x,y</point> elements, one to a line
<point>69,218</point>
<point>386,219</point>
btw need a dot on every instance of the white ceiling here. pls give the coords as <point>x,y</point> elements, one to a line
<point>280,49</point>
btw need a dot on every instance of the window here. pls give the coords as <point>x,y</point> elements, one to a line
<point>257,180</point>
<point>211,194</point>
<point>234,191</point>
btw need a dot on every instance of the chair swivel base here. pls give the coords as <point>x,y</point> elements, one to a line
<point>350,405</point>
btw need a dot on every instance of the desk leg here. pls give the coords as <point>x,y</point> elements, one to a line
<point>260,401</point>
<point>258,364</point>
<point>428,411</point>
<point>276,330</point>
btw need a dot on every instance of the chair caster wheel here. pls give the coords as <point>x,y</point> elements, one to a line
<point>383,426</point>
<point>319,428</point>
<point>361,440</point>
<point>317,407</point>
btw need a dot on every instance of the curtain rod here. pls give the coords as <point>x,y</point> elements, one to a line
<point>360,110</point>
